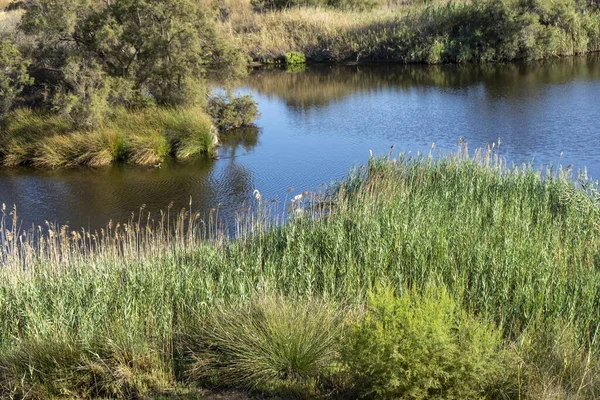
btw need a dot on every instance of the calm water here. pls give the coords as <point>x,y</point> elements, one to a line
<point>317,124</point>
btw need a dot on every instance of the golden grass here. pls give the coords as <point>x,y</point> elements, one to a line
<point>144,137</point>
<point>4,4</point>
<point>272,34</point>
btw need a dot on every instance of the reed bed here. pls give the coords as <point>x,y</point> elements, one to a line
<point>514,246</point>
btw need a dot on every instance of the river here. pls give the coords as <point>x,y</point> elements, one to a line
<point>317,124</point>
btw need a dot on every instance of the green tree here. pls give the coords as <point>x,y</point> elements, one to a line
<point>13,75</point>
<point>92,55</point>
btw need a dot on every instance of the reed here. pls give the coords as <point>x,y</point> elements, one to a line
<point>514,245</point>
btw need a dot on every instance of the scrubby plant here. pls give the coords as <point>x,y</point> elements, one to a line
<point>272,344</point>
<point>422,346</point>
<point>93,55</point>
<point>230,112</point>
<point>294,58</point>
<point>13,75</point>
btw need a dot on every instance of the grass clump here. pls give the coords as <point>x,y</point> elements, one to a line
<point>139,137</point>
<point>273,344</point>
<point>422,347</point>
<point>54,368</point>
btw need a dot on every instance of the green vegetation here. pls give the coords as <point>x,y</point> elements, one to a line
<point>75,62</point>
<point>142,137</point>
<point>231,112</point>
<point>423,32</point>
<point>417,277</point>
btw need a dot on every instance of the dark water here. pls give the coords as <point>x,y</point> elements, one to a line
<point>317,124</point>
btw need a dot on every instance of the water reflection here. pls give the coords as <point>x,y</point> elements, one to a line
<point>320,86</point>
<point>317,124</point>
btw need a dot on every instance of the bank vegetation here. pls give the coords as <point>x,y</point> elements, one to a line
<point>414,278</point>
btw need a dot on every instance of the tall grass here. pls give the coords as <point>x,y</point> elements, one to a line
<point>516,246</point>
<point>141,137</point>
<point>422,32</point>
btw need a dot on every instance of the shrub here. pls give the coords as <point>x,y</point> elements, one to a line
<point>273,344</point>
<point>421,347</point>
<point>230,112</point>
<point>13,75</point>
<point>294,58</point>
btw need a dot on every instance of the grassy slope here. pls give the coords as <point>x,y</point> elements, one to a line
<point>510,244</point>
<point>421,32</point>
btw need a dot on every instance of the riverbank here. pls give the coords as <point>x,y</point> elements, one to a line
<point>420,261</point>
<point>415,32</point>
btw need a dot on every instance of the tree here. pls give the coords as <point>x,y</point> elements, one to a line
<point>13,76</point>
<point>120,52</point>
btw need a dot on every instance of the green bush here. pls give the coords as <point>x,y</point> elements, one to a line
<point>421,347</point>
<point>230,112</point>
<point>294,58</point>
<point>272,345</point>
<point>13,75</point>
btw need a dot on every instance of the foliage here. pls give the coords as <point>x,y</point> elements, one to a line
<point>458,32</point>
<point>272,344</point>
<point>13,76</point>
<point>144,137</point>
<point>359,5</point>
<point>92,55</point>
<point>422,347</point>
<point>294,58</point>
<point>554,364</point>
<point>230,112</point>
<point>510,245</point>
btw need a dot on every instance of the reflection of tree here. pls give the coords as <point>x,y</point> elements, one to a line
<point>318,86</point>
<point>246,137</point>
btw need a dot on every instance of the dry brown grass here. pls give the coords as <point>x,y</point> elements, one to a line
<point>4,4</point>
<point>309,30</point>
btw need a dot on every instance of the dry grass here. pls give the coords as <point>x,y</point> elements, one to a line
<point>4,4</point>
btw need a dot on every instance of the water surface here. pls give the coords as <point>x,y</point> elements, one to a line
<point>317,124</point>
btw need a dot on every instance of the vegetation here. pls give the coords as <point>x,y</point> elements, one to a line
<point>489,275</point>
<point>231,112</point>
<point>422,32</point>
<point>141,137</point>
<point>77,62</point>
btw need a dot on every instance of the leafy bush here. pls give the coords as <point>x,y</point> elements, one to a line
<point>421,347</point>
<point>93,56</point>
<point>13,75</point>
<point>230,112</point>
<point>294,58</point>
<point>273,344</point>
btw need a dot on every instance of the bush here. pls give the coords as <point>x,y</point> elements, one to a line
<point>421,347</point>
<point>294,58</point>
<point>230,112</point>
<point>13,75</point>
<point>273,345</point>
